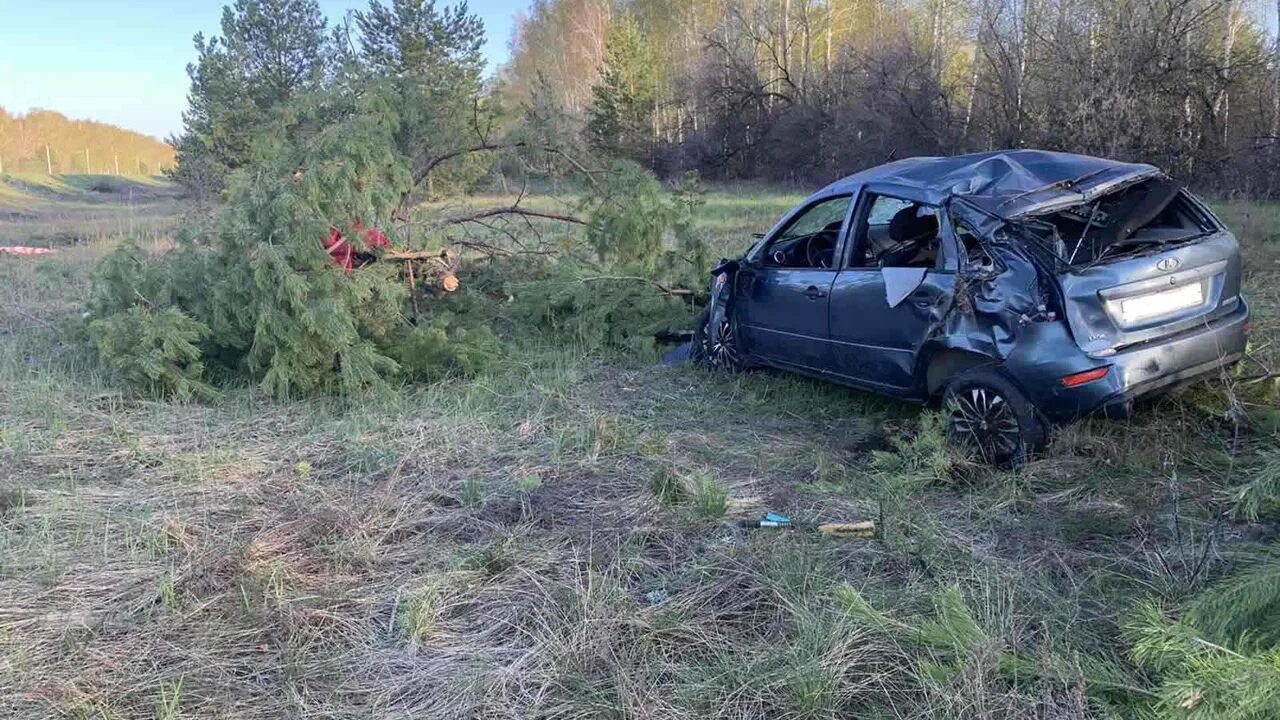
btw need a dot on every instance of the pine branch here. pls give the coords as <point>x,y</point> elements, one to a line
<point>677,292</point>
<point>512,210</point>
<point>423,164</point>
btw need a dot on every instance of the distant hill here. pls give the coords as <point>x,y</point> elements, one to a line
<point>46,142</point>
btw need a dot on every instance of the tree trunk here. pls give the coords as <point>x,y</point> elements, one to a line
<point>1024,50</point>
<point>826,50</point>
<point>1275,105</point>
<point>975,69</point>
<point>936,41</point>
<point>1222,105</point>
<point>786,39</point>
<point>806,48</point>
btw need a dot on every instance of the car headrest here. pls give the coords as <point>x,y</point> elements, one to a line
<point>908,226</point>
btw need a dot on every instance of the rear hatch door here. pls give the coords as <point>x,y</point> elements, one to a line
<point>1133,300</point>
<point>1084,189</point>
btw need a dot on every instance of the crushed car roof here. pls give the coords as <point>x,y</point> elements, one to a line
<point>1007,183</point>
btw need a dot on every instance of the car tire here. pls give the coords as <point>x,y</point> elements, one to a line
<point>989,418</point>
<point>717,348</point>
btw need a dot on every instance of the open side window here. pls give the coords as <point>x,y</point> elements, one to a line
<point>810,239</point>
<point>896,233</point>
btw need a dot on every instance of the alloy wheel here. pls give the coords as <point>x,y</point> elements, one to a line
<point>984,421</point>
<point>722,346</point>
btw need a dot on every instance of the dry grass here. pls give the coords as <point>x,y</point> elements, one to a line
<point>70,210</point>
<point>328,558</point>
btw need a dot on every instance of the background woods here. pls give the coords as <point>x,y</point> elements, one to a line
<point>46,142</point>
<point>808,90</point>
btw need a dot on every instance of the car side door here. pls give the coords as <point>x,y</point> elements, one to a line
<point>782,292</point>
<point>886,298</point>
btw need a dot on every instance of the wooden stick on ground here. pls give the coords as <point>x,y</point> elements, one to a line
<point>413,290</point>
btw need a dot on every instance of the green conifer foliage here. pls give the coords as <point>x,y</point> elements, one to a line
<point>445,344</point>
<point>594,312</point>
<point>1221,659</point>
<point>620,118</point>
<point>261,298</point>
<point>314,326</point>
<point>268,53</point>
<point>256,278</point>
<point>1260,493</point>
<point>631,230</point>
<point>636,225</point>
<point>154,350</point>
<point>305,144</point>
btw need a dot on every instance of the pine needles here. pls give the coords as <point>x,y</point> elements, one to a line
<point>1260,493</point>
<point>1221,659</point>
<point>1243,609</point>
<point>156,350</point>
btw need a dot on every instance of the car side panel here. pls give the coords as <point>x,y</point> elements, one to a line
<point>782,315</point>
<point>874,343</point>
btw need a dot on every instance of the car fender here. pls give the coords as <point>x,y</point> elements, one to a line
<point>982,324</point>
<point>940,361</point>
<point>722,293</point>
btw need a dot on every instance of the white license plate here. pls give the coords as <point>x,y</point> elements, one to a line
<point>1144,307</point>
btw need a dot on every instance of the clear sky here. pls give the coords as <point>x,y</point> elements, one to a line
<point>124,61</point>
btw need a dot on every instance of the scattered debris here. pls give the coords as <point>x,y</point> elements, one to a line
<point>24,250</point>
<point>864,530</point>
<point>657,597</point>
<point>677,355</point>
<point>770,520</point>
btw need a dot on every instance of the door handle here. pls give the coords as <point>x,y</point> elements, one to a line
<point>813,293</point>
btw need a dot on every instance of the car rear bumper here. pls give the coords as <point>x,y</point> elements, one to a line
<point>1154,367</point>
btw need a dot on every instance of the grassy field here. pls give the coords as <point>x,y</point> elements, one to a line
<point>557,537</point>
<point>60,210</point>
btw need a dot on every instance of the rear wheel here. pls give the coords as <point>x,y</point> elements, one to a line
<point>715,342</point>
<point>990,418</point>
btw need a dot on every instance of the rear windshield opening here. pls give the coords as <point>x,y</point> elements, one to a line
<point>1142,218</point>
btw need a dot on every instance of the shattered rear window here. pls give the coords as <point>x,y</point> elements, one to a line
<point>1149,216</point>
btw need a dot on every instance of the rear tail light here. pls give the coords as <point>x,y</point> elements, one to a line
<point>1088,376</point>
<point>1248,326</point>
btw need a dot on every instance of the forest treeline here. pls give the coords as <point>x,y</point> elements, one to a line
<point>813,89</point>
<point>44,141</point>
<point>797,90</point>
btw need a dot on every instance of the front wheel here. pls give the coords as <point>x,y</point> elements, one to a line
<point>715,342</point>
<point>990,418</point>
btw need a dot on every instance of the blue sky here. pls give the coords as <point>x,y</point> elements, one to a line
<point>124,61</point>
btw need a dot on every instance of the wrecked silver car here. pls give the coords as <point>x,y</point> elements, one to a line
<point>1018,287</point>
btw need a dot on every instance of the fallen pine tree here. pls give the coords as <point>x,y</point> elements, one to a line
<point>286,283</point>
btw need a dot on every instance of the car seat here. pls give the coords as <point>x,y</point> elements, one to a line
<point>910,233</point>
